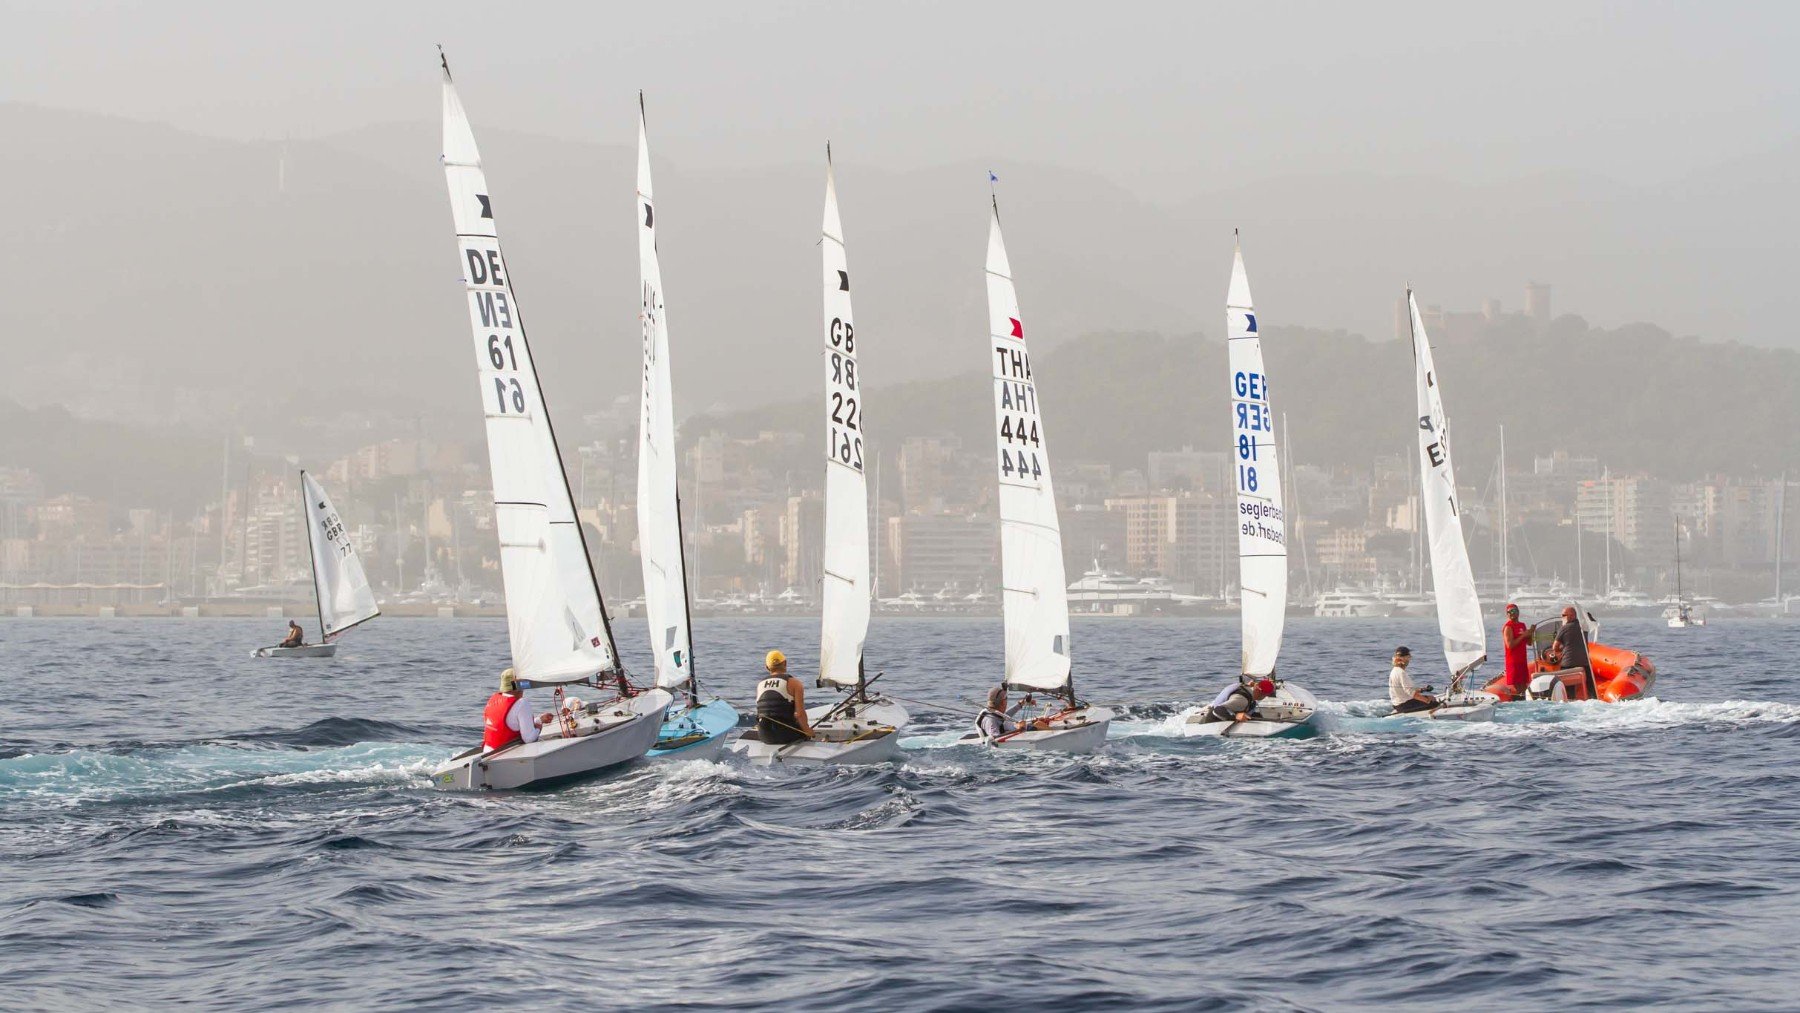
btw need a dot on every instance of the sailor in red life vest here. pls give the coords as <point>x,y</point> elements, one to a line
<point>1516,638</point>
<point>504,721</point>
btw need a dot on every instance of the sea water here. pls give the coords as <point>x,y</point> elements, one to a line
<point>180,823</point>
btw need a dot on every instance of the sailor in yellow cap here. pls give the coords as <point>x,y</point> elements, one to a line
<point>780,704</point>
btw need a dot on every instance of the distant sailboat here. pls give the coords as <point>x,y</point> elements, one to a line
<point>340,587</point>
<point>863,727</point>
<point>694,728</point>
<point>1452,579</point>
<point>556,622</point>
<point>1681,614</point>
<point>1033,587</point>
<point>1262,538</point>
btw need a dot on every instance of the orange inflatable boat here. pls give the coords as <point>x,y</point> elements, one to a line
<point>1619,674</point>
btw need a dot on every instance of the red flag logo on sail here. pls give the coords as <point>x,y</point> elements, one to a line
<point>1018,328</point>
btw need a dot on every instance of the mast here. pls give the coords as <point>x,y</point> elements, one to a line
<point>1505,556</point>
<point>312,558</point>
<point>1678,597</point>
<point>687,608</point>
<point>1780,515</point>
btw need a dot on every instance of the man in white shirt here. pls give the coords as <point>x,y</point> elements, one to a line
<point>1401,693</point>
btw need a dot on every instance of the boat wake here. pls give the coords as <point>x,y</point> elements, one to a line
<point>90,776</point>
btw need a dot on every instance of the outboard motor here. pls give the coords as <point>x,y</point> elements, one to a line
<point>1546,687</point>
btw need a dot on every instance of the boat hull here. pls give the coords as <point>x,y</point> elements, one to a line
<point>303,651</point>
<point>1461,707</point>
<point>1078,731</point>
<point>622,732</point>
<point>861,733</point>
<point>694,733</point>
<point>1619,675</point>
<point>1291,713</point>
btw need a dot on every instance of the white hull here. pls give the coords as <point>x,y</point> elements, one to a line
<point>618,734</point>
<point>1463,707</point>
<point>1082,731</point>
<point>861,733</point>
<point>1682,624</point>
<point>1289,713</point>
<point>303,651</point>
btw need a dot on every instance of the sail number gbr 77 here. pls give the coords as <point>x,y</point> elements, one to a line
<point>1020,434</point>
<point>503,395</point>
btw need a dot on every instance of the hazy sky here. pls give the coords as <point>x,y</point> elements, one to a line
<point>1181,96</point>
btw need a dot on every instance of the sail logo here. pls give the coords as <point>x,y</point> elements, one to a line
<point>1249,322</point>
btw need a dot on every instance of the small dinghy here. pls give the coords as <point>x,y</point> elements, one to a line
<point>1453,581</point>
<point>863,727</point>
<point>1034,589</point>
<point>1288,711</point>
<point>340,588</point>
<point>694,728</point>
<point>557,626</point>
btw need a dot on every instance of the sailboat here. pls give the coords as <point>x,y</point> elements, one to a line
<point>1262,537</point>
<point>556,623</point>
<point>693,728</point>
<point>1034,597</point>
<point>862,727</point>
<point>1680,615</point>
<point>1452,579</point>
<point>340,587</point>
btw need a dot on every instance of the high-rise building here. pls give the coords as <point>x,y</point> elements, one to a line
<point>936,551</point>
<point>1537,303</point>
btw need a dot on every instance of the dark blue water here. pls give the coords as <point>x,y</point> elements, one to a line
<point>181,824</point>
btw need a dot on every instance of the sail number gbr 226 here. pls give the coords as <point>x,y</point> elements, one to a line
<point>498,342</point>
<point>842,395</point>
<point>1020,434</point>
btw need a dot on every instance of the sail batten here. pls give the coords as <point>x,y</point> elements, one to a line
<point>658,495</point>
<point>556,623</point>
<point>341,586</point>
<point>1262,524</point>
<point>1034,588</point>
<point>1452,579</point>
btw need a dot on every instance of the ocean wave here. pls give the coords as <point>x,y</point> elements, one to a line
<point>88,775</point>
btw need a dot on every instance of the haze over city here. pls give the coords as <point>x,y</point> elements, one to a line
<point>236,233</point>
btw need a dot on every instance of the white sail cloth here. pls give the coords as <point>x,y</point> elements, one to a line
<point>846,591</point>
<point>1452,579</point>
<point>1262,525</point>
<point>554,616</point>
<point>1034,590</point>
<point>659,520</point>
<point>338,578</point>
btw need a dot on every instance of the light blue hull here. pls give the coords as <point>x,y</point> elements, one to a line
<point>695,733</point>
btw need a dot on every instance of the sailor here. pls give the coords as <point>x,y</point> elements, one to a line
<point>780,704</point>
<point>995,721</point>
<point>1517,639</point>
<point>504,720</point>
<point>296,637</point>
<point>1570,649</point>
<point>1237,702</point>
<point>1401,693</point>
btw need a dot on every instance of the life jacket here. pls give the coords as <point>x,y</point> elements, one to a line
<point>495,731</point>
<point>1214,709</point>
<point>775,701</point>
<point>981,723</point>
<point>778,715</point>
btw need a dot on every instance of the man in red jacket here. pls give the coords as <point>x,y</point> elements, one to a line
<point>1518,651</point>
<point>505,720</point>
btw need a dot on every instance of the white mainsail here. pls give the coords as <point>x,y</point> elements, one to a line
<point>1262,526</point>
<point>1452,579</point>
<point>1034,590</point>
<point>338,579</point>
<point>554,616</point>
<point>847,591</point>
<point>659,518</point>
